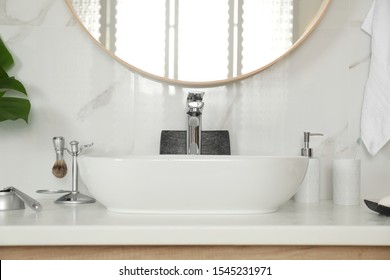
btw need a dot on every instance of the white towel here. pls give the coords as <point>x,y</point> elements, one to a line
<point>375,122</point>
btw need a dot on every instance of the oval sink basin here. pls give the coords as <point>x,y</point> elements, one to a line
<point>183,184</point>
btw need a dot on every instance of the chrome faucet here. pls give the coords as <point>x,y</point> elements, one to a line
<point>194,121</point>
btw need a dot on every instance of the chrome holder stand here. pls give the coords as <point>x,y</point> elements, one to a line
<point>75,197</point>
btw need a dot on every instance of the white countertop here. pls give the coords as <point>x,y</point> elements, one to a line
<point>293,224</point>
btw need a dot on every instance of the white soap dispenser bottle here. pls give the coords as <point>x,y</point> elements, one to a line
<point>309,190</point>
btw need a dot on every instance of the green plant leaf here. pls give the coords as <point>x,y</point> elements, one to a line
<point>3,74</point>
<point>11,84</point>
<point>6,59</point>
<point>12,108</point>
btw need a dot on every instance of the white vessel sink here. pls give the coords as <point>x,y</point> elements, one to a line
<point>192,184</point>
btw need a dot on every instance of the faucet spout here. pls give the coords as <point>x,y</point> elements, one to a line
<point>194,120</point>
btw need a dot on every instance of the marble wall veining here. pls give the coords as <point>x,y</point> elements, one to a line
<point>80,92</point>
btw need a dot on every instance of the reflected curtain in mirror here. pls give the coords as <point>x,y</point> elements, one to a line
<point>193,40</point>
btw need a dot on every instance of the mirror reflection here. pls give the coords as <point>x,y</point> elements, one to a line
<point>197,40</point>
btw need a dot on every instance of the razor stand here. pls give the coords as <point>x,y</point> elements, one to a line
<point>75,197</point>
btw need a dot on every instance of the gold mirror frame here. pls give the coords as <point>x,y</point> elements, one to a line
<point>310,28</point>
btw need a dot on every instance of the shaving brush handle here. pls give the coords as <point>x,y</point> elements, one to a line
<point>59,155</point>
<point>59,144</point>
<point>59,147</point>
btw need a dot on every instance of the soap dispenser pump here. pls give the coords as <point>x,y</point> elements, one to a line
<point>309,190</point>
<point>306,151</point>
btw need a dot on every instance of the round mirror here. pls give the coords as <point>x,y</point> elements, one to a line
<point>199,42</point>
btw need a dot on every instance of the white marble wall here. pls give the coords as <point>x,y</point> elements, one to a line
<point>78,91</point>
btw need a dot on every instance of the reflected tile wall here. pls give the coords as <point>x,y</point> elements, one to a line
<point>80,92</point>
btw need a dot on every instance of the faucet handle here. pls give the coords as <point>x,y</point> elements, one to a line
<point>194,102</point>
<point>195,96</point>
<point>195,106</point>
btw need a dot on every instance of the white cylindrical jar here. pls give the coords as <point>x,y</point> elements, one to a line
<point>346,181</point>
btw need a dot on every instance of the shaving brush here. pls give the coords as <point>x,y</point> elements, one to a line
<point>59,169</point>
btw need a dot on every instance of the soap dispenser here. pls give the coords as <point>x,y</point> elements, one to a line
<point>309,190</point>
